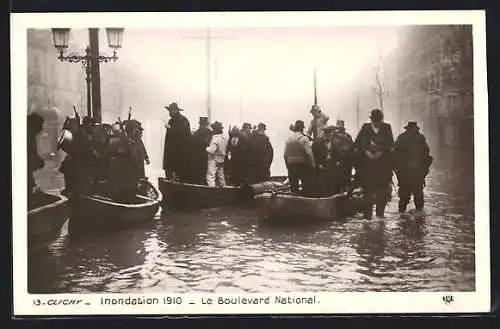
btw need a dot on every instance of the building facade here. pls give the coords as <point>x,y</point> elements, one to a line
<point>435,88</point>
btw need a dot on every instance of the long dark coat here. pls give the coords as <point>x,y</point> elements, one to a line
<point>122,175</point>
<point>177,142</point>
<point>199,157</point>
<point>262,154</point>
<point>411,155</point>
<point>327,179</point>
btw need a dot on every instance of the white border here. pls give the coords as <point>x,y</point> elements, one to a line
<point>408,302</point>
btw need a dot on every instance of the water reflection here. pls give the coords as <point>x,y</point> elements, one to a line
<point>231,250</point>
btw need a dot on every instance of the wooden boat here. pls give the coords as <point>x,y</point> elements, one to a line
<point>98,209</point>
<point>288,207</point>
<point>46,216</point>
<point>178,195</point>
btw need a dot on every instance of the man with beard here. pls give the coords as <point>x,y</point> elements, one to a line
<point>261,154</point>
<point>200,140</point>
<point>412,162</point>
<point>177,142</point>
<point>373,147</point>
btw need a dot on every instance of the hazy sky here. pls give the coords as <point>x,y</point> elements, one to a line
<point>257,74</point>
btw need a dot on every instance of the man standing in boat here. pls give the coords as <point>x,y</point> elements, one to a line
<point>373,147</point>
<point>318,122</point>
<point>261,154</point>
<point>328,160</point>
<point>35,162</point>
<point>412,162</point>
<point>200,140</point>
<point>299,160</point>
<point>216,155</point>
<point>344,144</point>
<point>177,142</point>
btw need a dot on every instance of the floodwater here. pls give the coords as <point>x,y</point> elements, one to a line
<point>230,250</point>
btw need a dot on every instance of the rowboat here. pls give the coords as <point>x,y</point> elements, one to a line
<point>287,207</point>
<point>178,195</point>
<point>98,209</point>
<point>47,213</point>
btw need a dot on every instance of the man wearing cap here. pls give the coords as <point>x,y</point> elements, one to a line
<point>344,144</point>
<point>177,141</point>
<point>200,140</point>
<point>216,155</point>
<point>318,122</point>
<point>411,165</point>
<point>261,155</point>
<point>328,160</point>
<point>299,160</point>
<point>374,169</point>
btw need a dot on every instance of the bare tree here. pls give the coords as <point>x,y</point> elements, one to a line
<point>380,83</point>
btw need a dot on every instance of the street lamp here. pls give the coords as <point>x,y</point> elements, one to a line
<point>60,38</point>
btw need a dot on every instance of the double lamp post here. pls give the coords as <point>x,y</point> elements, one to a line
<point>90,62</point>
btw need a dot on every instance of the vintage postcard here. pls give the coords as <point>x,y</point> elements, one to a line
<point>250,163</point>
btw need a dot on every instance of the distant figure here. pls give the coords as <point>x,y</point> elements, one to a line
<point>318,122</point>
<point>261,154</point>
<point>35,162</point>
<point>299,160</point>
<point>328,161</point>
<point>373,147</point>
<point>200,140</point>
<point>412,162</point>
<point>177,141</point>
<point>216,156</point>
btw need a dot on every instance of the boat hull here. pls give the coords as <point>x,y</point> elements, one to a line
<point>284,208</point>
<point>91,211</point>
<point>190,196</point>
<point>45,222</point>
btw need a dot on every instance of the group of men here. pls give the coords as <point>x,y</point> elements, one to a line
<point>210,157</point>
<point>324,158</point>
<point>114,155</point>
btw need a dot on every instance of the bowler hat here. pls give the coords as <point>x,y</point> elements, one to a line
<point>299,124</point>
<point>173,107</point>
<point>204,120</point>
<point>216,125</point>
<point>412,124</point>
<point>261,126</point>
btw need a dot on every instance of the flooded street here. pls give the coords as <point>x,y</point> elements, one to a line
<point>231,250</point>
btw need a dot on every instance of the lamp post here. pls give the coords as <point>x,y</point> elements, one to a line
<point>90,61</point>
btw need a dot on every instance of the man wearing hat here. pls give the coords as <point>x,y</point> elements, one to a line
<point>216,155</point>
<point>344,144</point>
<point>328,161</point>
<point>374,170</point>
<point>177,141</point>
<point>299,160</point>
<point>261,155</point>
<point>411,163</point>
<point>200,140</point>
<point>318,122</point>
<point>241,155</point>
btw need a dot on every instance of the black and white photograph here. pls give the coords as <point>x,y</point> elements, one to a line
<point>252,156</point>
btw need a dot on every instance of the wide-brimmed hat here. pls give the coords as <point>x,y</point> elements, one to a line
<point>330,129</point>
<point>314,108</point>
<point>376,114</point>
<point>299,124</point>
<point>216,125</point>
<point>173,107</point>
<point>261,126</point>
<point>412,124</point>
